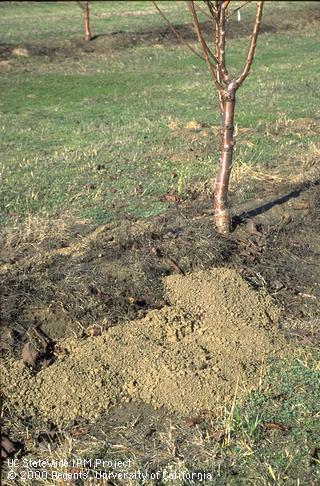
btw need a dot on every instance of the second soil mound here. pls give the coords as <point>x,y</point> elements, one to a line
<point>185,357</point>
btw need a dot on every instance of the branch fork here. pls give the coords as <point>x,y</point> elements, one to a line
<point>226,89</point>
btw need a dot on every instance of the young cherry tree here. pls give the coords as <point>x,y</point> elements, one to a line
<point>226,85</point>
<point>86,19</point>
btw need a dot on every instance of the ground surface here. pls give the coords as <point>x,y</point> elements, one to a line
<point>215,332</point>
<point>137,313</point>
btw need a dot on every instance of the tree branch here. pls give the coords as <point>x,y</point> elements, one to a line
<point>253,44</point>
<point>176,33</point>
<point>205,49</point>
<point>199,32</point>
<point>218,69</point>
<point>222,40</point>
<point>213,10</point>
<point>215,14</point>
<point>236,10</point>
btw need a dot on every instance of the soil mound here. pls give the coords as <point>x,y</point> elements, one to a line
<point>216,332</point>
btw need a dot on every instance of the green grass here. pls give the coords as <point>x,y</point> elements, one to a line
<point>57,127</point>
<point>22,22</point>
<point>290,397</point>
<point>30,21</point>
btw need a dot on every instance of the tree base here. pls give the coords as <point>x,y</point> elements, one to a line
<point>222,221</point>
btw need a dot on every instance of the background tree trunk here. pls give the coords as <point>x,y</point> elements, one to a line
<point>87,32</point>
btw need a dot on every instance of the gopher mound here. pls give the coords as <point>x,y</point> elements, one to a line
<point>216,332</point>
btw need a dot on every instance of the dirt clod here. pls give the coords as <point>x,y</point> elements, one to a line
<point>93,331</point>
<point>192,421</point>
<point>30,355</point>
<point>314,456</point>
<point>21,52</point>
<point>37,349</point>
<point>7,447</point>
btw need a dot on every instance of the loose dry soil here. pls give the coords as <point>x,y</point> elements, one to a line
<point>216,332</point>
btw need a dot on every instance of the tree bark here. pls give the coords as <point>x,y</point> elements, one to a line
<point>220,200</point>
<point>87,32</point>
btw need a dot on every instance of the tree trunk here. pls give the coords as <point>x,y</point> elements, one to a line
<point>87,32</point>
<point>220,200</point>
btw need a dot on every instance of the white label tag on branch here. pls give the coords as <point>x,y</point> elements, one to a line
<point>239,15</point>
